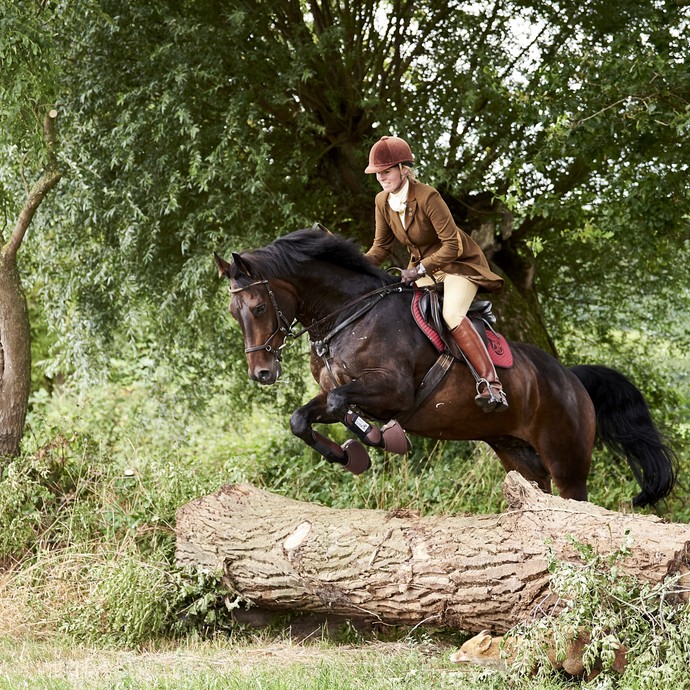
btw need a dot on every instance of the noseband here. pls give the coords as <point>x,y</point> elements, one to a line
<point>282,324</point>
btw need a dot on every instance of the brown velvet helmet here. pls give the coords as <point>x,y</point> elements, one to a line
<point>387,152</point>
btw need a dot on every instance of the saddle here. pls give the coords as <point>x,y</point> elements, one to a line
<point>426,310</point>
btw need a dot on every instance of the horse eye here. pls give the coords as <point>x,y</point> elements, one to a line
<point>258,311</point>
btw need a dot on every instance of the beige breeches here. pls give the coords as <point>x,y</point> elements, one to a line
<point>458,293</point>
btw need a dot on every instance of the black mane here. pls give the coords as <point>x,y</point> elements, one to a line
<point>287,254</point>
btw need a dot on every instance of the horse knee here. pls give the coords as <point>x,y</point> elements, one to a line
<point>336,404</point>
<point>299,424</point>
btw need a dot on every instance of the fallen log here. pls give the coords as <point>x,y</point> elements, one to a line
<point>470,572</point>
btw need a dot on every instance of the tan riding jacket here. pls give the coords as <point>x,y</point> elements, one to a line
<point>432,236</point>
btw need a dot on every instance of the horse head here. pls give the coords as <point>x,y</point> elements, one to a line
<point>264,310</point>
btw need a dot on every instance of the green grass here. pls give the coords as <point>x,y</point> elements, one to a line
<point>260,665</point>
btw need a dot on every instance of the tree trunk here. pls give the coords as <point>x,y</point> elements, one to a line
<point>15,336</point>
<point>465,572</point>
<point>15,358</point>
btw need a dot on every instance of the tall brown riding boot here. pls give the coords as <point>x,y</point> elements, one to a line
<point>490,395</point>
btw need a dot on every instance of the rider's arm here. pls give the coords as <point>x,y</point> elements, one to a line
<point>439,215</point>
<point>383,238</point>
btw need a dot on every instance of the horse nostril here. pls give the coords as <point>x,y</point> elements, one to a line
<point>264,376</point>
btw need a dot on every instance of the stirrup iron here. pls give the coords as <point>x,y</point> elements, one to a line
<point>496,399</point>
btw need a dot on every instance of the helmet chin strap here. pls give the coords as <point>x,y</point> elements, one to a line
<point>403,179</point>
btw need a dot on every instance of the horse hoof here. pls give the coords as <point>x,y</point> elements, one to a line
<point>394,438</point>
<point>357,457</point>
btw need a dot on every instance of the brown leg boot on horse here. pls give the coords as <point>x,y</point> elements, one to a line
<point>490,395</point>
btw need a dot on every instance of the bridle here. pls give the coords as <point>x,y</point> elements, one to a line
<point>320,346</point>
<point>282,324</point>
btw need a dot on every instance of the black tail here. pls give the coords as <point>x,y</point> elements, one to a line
<point>626,426</point>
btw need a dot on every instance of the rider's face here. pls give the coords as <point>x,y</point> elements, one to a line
<point>391,179</point>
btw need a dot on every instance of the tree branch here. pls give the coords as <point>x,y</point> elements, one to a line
<point>50,177</point>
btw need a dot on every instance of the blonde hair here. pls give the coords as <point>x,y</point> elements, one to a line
<point>411,176</point>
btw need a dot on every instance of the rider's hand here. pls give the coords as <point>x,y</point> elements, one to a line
<point>409,275</point>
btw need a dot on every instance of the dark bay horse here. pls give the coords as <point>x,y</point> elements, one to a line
<point>369,358</point>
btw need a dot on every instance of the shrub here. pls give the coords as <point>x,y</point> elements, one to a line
<point>618,611</point>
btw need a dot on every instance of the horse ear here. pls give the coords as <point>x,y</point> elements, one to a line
<point>323,228</point>
<point>241,265</point>
<point>223,266</point>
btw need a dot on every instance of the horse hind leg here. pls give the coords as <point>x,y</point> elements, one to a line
<point>516,454</point>
<point>566,452</point>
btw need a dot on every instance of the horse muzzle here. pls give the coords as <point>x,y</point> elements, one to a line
<point>265,375</point>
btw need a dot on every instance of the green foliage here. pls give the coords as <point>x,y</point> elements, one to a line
<point>218,128</point>
<point>204,604</point>
<point>37,490</point>
<point>620,612</point>
<point>28,86</point>
<point>127,602</point>
<point>435,477</point>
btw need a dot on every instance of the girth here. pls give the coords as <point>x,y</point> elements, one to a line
<point>429,383</point>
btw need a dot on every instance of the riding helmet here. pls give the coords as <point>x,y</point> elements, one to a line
<point>387,152</point>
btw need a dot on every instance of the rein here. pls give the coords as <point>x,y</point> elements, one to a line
<point>321,345</point>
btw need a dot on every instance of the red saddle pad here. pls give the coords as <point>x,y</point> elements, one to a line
<point>497,345</point>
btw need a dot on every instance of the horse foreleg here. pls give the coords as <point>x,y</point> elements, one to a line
<point>391,436</point>
<point>351,455</point>
<point>344,403</point>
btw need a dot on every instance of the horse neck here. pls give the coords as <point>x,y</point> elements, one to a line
<point>324,291</point>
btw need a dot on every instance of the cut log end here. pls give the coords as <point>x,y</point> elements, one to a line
<point>520,492</point>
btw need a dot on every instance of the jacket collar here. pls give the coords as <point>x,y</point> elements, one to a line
<point>411,207</point>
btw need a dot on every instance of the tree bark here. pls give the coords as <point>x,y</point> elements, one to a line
<point>469,573</point>
<point>15,358</point>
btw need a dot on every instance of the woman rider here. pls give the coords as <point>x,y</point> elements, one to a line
<point>417,216</point>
